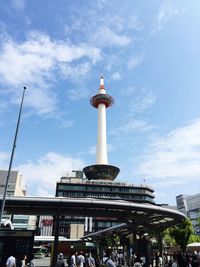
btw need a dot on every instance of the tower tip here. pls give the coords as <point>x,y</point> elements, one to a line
<point>102,82</point>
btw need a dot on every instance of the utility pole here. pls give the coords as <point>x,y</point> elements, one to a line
<point>11,159</point>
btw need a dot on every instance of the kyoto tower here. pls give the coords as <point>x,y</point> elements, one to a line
<point>101,170</point>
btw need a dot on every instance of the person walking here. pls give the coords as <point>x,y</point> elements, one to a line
<point>80,261</point>
<point>31,263</point>
<point>138,262</point>
<point>90,261</point>
<point>60,260</point>
<point>11,261</point>
<point>73,259</point>
<point>107,259</point>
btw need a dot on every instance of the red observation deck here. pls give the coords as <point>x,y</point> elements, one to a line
<point>105,99</point>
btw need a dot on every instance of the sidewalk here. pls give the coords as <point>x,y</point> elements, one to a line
<point>43,262</point>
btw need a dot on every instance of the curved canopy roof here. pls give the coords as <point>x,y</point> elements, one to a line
<point>138,217</point>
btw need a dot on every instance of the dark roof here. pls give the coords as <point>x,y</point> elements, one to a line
<point>141,217</point>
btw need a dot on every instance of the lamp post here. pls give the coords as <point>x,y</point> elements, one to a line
<point>11,158</point>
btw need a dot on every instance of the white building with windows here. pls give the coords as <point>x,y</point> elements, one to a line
<point>190,206</point>
<point>16,188</point>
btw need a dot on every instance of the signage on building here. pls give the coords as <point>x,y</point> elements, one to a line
<point>47,222</point>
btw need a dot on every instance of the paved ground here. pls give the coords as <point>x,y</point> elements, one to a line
<point>44,262</point>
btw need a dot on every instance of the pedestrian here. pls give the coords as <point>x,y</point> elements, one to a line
<point>11,261</point>
<point>90,261</point>
<point>23,260</point>
<point>137,262</point>
<point>107,261</point>
<point>195,261</point>
<point>174,262</point>
<point>80,261</point>
<point>31,263</point>
<point>132,259</point>
<point>73,259</point>
<point>60,260</point>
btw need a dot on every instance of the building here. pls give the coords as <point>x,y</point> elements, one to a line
<point>190,206</point>
<point>79,187</point>
<point>16,188</point>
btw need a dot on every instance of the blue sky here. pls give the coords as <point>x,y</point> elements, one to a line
<point>149,54</point>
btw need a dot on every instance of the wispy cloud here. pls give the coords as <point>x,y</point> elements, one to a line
<point>18,4</point>
<point>175,157</point>
<point>116,76</point>
<point>4,160</point>
<point>37,63</point>
<point>105,36</point>
<point>34,60</point>
<point>130,127</point>
<point>135,61</point>
<point>143,102</point>
<point>41,175</point>
<point>166,12</point>
<point>131,121</point>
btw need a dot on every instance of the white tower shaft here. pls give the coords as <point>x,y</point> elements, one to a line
<point>101,170</point>
<point>101,151</point>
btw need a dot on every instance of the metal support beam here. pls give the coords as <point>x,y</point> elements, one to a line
<point>56,237</point>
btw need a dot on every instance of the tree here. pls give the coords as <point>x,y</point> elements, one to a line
<point>194,238</point>
<point>181,233</point>
<point>168,239</point>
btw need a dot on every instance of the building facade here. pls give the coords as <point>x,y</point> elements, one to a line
<point>45,226</point>
<point>80,187</point>
<point>190,206</point>
<point>16,188</point>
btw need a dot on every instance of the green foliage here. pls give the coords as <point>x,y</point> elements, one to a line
<point>194,238</point>
<point>181,233</point>
<point>169,241</point>
<point>109,241</point>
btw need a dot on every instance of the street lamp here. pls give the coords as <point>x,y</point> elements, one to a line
<point>11,158</point>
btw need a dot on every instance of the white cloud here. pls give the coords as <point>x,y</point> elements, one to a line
<point>18,4</point>
<point>4,160</point>
<point>101,3</point>
<point>37,62</point>
<point>135,61</point>
<point>107,37</point>
<point>34,60</point>
<point>129,127</point>
<point>143,102</point>
<point>41,176</point>
<point>133,23</point>
<point>116,76</point>
<point>166,12</point>
<point>175,157</point>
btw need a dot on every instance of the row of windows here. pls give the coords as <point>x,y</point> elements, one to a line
<point>106,224</point>
<point>102,224</point>
<point>102,188</point>
<point>66,222</point>
<point>105,196</point>
<point>16,220</point>
<point>195,214</point>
